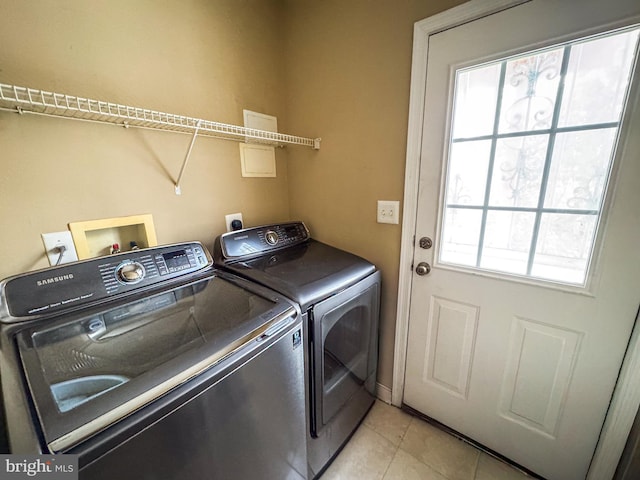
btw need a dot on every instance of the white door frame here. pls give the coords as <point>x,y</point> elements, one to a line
<point>626,398</point>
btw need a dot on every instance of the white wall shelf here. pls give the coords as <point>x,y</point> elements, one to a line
<point>25,100</point>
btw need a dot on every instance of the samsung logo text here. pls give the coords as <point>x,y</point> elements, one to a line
<point>48,281</point>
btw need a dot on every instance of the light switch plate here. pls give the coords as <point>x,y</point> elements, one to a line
<point>389,211</point>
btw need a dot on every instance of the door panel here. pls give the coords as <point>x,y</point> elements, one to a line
<point>526,368</point>
<point>538,373</point>
<point>452,328</point>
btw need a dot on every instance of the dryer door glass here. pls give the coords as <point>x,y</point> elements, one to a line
<point>349,348</point>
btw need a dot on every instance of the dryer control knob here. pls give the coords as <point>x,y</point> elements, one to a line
<point>271,237</point>
<point>130,272</point>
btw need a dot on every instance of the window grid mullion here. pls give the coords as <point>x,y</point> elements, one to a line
<point>544,131</point>
<point>547,163</point>
<point>571,211</point>
<point>492,154</point>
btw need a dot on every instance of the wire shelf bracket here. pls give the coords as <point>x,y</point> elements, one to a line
<point>25,100</point>
<point>186,159</point>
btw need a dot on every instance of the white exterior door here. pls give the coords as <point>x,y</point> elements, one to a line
<point>517,334</point>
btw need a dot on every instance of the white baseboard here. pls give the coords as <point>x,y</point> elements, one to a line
<point>383,393</point>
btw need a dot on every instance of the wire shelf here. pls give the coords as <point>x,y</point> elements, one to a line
<point>40,102</point>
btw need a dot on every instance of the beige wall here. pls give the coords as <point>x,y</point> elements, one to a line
<point>348,78</point>
<point>202,58</point>
<point>332,68</point>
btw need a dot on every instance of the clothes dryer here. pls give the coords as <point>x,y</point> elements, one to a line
<point>339,296</point>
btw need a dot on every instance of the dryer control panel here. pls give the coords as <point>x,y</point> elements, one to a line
<point>68,286</point>
<point>259,240</point>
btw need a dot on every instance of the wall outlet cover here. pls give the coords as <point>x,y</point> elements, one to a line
<point>230,218</point>
<point>53,242</point>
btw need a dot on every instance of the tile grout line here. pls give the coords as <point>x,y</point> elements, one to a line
<point>416,419</point>
<point>384,474</point>
<point>477,448</point>
<point>433,467</point>
<point>481,449</point>
<point>397,448</point>
<point>475,473</point>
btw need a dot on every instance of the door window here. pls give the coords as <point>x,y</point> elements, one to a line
<point>532,144</point>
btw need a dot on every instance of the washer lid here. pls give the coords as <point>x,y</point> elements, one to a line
<point>306,273</point>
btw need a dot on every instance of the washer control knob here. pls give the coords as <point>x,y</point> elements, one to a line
<point>271,237</point>
<point>130,272</point>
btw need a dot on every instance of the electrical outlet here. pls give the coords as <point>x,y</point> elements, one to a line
<point>52,247</point>
<point>388,211</point>
<point>230,218</point>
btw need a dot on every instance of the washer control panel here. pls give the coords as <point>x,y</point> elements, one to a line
<point>74,284</point>
<point>130,272</point>
<point>151,266</point>
<point>260,240</point>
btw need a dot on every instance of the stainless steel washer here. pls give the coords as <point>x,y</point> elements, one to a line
<point>153,364</point>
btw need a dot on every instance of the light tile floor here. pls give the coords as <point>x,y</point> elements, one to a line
<point>393,445</point>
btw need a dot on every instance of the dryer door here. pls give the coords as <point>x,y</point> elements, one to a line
<point>345,348</point>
